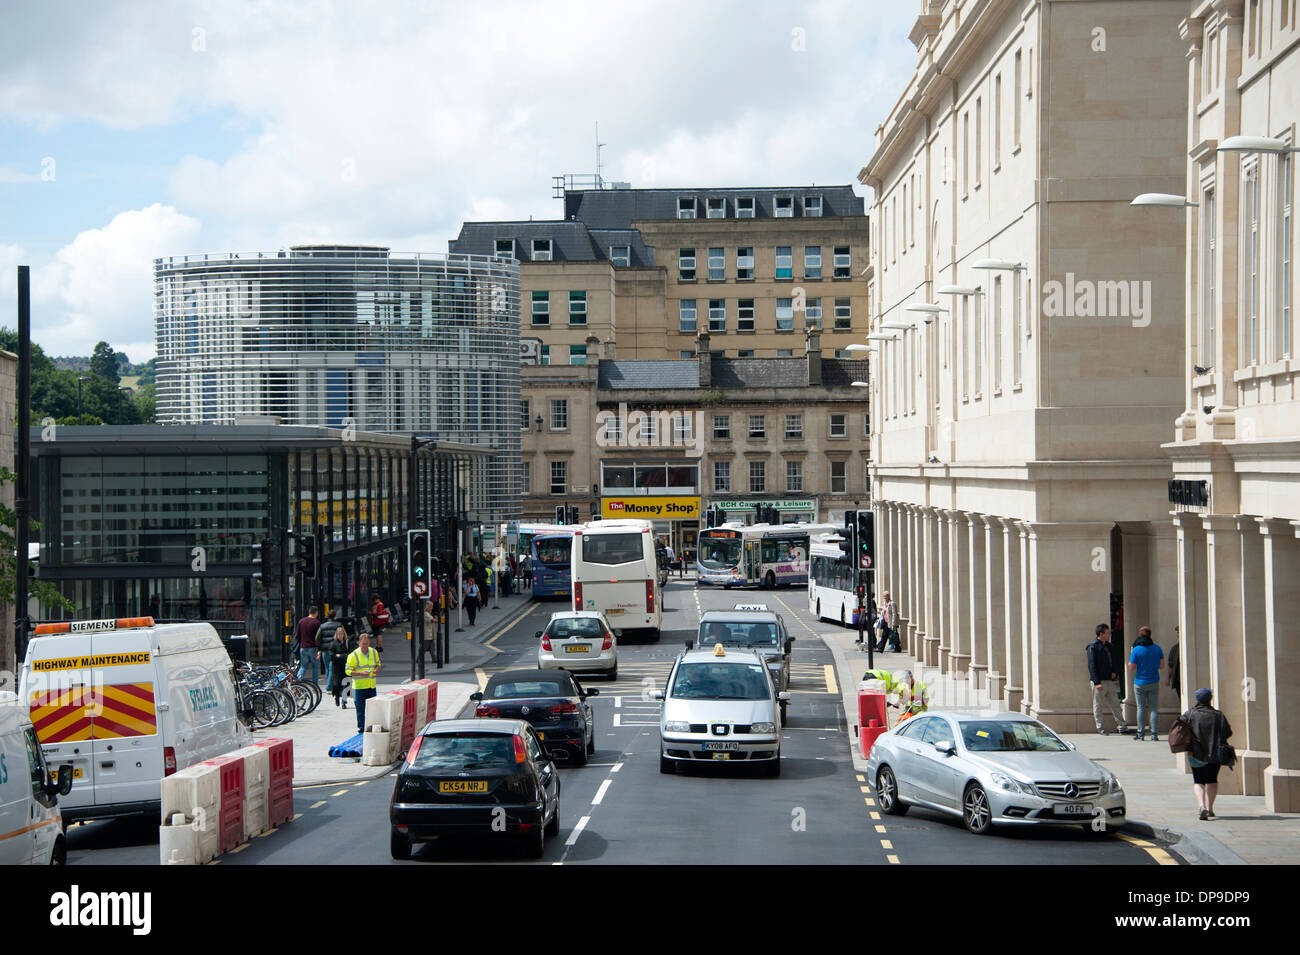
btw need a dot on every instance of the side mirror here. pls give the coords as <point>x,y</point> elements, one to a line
<point>592,692</point>
<point>657,694</point>
<point>65,779</point>
<point>1069,744</point>
<point>690,644</point>
<point>945,746</point>
<point>476,697</point>
<point>783,696</point>
<point>788,644</point>
<point>538,634</point>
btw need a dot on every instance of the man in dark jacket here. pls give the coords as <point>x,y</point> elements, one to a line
<point>1210,731</point>
<point>1102,673</point>
<point>323,638</point>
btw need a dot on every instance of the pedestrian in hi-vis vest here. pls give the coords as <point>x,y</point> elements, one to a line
<point>363,667</point>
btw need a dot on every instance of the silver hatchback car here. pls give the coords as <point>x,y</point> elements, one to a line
<point>722,706</point>
<point>1000,768</point>
<point>581,641</point>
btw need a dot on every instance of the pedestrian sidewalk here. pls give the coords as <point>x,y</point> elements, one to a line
<point>1161,802</point>
<point>471,647</point>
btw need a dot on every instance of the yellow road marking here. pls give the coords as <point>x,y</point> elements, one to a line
<point>864,789</point>
<point>239,848</point>
<point>880,828</point>
<point>874,815</point>
<point>893,860</point>
<point>361,782</point>
<point>1151,849</point>
<point>871,802</point>
<point>297,815</point>
<point>317,805</point>
<point>886,844</point>
<point>263,835</point>
<point>508,627</point>
<point>339,793</point>
<point>482,678</point>
<point>861,778</point>
<point>831,685</point>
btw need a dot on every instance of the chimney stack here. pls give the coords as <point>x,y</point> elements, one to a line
<point>704,360</point>
<point>593,350</point>
<point>608,350</point>
<point>814,343</point>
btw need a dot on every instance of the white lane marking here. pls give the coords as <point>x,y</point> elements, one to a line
<point>616,768</point>
<point>618,702</point>
<point>577,830</point>
<point>617,718</point>
<point>600,793</point>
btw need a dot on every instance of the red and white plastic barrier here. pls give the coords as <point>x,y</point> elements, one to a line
<point>393,719</point>
<point>872,721</point>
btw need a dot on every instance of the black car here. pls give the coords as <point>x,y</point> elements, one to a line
<point>552,701</point>
<point>475,778</point>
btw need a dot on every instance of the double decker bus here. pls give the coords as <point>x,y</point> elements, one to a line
<point>552,573</point>
<point>760,555</point>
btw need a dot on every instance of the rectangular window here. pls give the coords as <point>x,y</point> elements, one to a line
<point>979,346</point>
<point>979,126</point>
<point>717,208</point>
<point>559,477</point>
<point>813,312</point>
<point>526,479</point>
<point>794,427</point>
<point>812,206</point>
<point>866,425</point>
<point>686,265</point>
<point>1207,355</point>
<point>541,250</point>
<point>1015,107</point>
<point>1252,263</point>
<point>1017,324</point>
<point>745,207</point>
<point>685,355</point>
<point>904,242</point>
<point>620,255</point>
<point>784,207</point>
<point>812,261</point>
<point>524,423</point>
<point>745,262</point>
<point>559,414</point>
<point>546,355</point>
<point>757,428</point>
<point>757,477</point>
<point>717,264</point>
<point>843,261</point>
<point>505,248</point>
<point>686,208</point>
<point>794,475</point>
<point>614,429</point>
<point>686,315</point>
<point>843,315</point>
<point>785,353</point>
<point>996,319</point>
<point>784,262</point>
<point>577,354</point>
<point>997,119</point>
<point>839,477</point>
<point>577,308</point>
<point>784,314</point>
<point>541,308</point>
<point>717,314</point>
<point>1283,336</point>
<point>965,153</point>
<point>967,338</point>
<point>722,427</point>
<point>721,477</point>
<point>839,426</point>
<point>745,315</point>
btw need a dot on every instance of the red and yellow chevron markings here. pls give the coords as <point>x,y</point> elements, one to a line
<point>104,712</point>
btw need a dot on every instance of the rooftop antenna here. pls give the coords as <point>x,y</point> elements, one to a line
<point>600,182</point>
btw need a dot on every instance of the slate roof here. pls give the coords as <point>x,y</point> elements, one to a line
<point>727,373</point>
<point>570,241</point>
<point>632,373</point>
<point>618,208</point>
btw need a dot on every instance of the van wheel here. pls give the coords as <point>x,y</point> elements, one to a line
<point>60,854</point>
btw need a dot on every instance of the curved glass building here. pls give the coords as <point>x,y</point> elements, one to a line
<point>349,337</point>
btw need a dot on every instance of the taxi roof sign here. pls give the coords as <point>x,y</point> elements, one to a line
<point>750,607</point>
<point>718,650</point>
<point>93,626</point>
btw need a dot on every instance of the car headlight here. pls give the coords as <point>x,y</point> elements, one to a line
<point>677,726</point>
<point>1012,785</point>
<point>762,728</point>
<point>1110,783</point>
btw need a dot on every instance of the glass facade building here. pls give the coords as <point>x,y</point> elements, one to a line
<point>349,337</point>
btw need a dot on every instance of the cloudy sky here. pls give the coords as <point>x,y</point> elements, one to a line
<point>131,130</point>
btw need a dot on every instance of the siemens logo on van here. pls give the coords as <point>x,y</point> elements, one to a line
<point>92,626</point>
<point>204,698</point>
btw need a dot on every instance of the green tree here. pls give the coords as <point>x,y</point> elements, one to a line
<point>146,403</point>
<point>103,363</point>
<point>42,590</point>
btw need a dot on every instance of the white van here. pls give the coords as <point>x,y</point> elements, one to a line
<point>31,829</point>
<point>615,571</point>
<point>127,702</point>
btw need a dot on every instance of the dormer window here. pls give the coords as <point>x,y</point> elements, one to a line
<point>745,207</point>
<point>620,254</point>
<point>812,205</point>
<point>505,248</point>
<point>541,250</point>
<point>686,208</point>
<point>784,207</point>
<point>717,208</point>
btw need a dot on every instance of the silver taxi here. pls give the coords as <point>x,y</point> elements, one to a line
<point>752,627</point>
<point>720,705</point>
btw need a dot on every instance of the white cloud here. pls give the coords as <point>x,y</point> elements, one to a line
<point>99,287</point>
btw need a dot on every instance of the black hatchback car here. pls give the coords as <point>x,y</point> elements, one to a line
<point>551,700</point>
<point>480,778</point>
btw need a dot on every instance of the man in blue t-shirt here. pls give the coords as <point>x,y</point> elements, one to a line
<point>1146,661</point>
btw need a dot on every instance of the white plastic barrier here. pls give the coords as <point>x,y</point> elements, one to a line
<point>376,747</point>
<point>194,793</point>
<point>257,781</point>
<point>385,712</point>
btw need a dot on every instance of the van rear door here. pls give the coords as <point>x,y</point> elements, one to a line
<point>125,741</point>
<point>60,685</point>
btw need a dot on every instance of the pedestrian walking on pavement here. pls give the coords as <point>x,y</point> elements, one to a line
<point>888,626</point>
<point>324,637</point>
<point>363,666</point>
<point>472,596</point>
<point>1103,674</point>
<point>1175,670</point>
<point>1209,750</point>
<point>308,653</point>
<point>1145,662</point>
<point>337,649</point>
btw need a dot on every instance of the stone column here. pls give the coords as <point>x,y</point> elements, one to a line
<point>1193,607</point>
<point>977,588</point>
<point>907,599</point>
<point>1223,573</point>
<point>939,572</point>
<point>995,606</point>
<point>1013,596</point>
<point>959,596</point>
<point>1282,612</point>
<point>928,651</point>
<point>1069,597</point>
<point>1252,738</point>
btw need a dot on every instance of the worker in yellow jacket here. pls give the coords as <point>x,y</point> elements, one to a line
<point>363,666</point>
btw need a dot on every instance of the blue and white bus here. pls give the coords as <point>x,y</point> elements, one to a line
<point>832,584</point>
<point>759,555</point>
<point>550,555</point>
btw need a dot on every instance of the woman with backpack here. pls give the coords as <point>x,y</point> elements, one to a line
<point>1208,750</point>
<point>338,649</point>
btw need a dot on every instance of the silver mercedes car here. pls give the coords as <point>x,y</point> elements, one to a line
<point>991,769</point>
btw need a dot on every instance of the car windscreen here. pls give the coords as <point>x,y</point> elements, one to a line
<point>564,628</point>
<point>553,553</point>
<point>739,634</point>
<point>719,554</point>
<point>612,548</point>
<point>528,689</point>
<point>464,751</point>
<point>720,681</point>
<point>998,736</point>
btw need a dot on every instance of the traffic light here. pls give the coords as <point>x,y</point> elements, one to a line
<point>419,567</point>
<point>560,513</point>
<point>847,549</point>
<point>260,553</point>
<point>866,540</point>
<point>308,561</point>
<point>573,515</point>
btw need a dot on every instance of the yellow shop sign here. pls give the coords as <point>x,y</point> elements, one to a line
<point>651,508</point>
